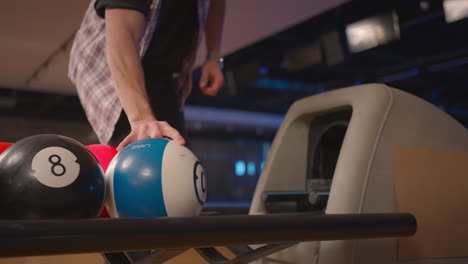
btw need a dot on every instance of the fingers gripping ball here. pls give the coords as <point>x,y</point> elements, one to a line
<point>155,177</point>
<point>50,176</point>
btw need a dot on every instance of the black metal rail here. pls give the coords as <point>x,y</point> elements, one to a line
<point>48,237</point>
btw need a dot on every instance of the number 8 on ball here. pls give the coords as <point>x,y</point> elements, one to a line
<point>55,167</point>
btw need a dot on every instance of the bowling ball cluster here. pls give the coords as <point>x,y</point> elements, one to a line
<point>55,177</point>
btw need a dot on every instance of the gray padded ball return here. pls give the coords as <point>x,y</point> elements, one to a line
<point>333,153</point>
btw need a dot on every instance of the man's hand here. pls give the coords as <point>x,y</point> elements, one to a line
<point>212,78</point>
<point>151,129</point>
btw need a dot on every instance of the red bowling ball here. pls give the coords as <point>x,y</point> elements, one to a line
<point>104,154</point>
<point>4,146</point>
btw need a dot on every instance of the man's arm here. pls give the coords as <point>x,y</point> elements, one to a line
<point>214,26</point>
<point>124,31</point>
<point>212,78</point>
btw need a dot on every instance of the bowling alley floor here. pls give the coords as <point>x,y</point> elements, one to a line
<point>190,256</point>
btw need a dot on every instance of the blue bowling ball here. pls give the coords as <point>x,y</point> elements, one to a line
<point>155,177</point>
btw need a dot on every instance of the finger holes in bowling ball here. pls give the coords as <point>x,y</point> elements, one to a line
<point>50,176</point>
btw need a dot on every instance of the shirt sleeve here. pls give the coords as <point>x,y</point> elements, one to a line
<point>139,5</point>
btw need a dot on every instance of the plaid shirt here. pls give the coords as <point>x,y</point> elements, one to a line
<point>89,71</point>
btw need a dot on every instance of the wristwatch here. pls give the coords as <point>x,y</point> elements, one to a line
<point>216,57</point>
<point>213,56</point>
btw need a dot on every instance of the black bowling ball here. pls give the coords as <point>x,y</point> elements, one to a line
<point>50,176</point>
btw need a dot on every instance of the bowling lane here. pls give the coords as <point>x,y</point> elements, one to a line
<point>190,256</point>
<point>59,259</point>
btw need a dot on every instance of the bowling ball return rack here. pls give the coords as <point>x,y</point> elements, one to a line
<point>156,240</point>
